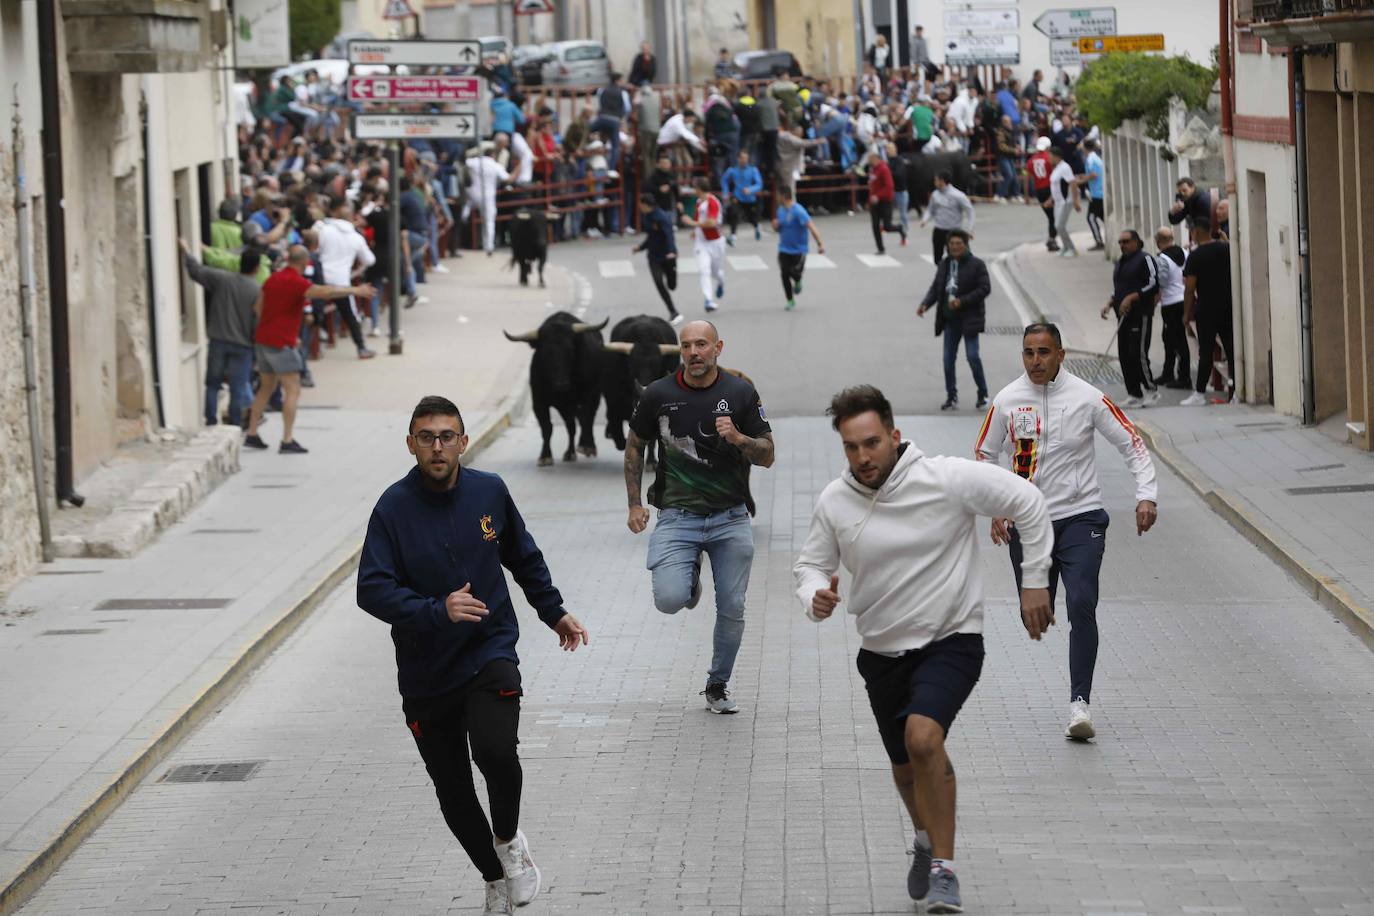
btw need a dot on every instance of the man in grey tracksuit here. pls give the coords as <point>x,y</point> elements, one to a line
<point>950,209</point>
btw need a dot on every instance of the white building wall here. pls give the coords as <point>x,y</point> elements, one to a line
<point>1189,27</point>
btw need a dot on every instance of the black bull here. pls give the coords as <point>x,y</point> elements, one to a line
<point>641,351</point>
<point>529,242</point>
<point>565,375</point>
<point>921,170</point>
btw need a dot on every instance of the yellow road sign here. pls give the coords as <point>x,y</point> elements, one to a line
<point>1105,44</point>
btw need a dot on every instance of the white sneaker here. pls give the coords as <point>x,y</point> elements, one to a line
<point>1150,399</point>
<point>1080,721</point>
<point>1132,401</point>
<point>375,332</point>
<point>498,899</point>
<point>521,873</point>
<point>421,300</point>
<point>439,269</point>
<point>1196,399</point>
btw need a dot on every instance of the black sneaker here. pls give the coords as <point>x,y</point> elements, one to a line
<point>718,699</point>
<point>918,878</point>
<point>696,584</point>
<point>982,401</point>
<point>253,442</point>
<point>950,404</point>
<point>291,448</point>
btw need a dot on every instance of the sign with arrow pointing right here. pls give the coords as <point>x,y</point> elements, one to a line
<point>415,126</point>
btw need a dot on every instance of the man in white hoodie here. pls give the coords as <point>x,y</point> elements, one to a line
<point>1048,420</point>
<point>902,524</point>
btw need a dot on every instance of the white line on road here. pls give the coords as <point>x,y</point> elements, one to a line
<point>929,259</point>
<point>819,262</point>
<point>878,260</point>
<point>747,262</point>
<point>612,269</point>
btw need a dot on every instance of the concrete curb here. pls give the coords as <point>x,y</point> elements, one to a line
<point>1359,619</point>
<point>31,877</point>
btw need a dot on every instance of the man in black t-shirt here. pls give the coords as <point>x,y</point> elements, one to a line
<point>712,429</point>
<point>1207,299</point>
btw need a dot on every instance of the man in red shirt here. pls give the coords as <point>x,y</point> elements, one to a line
<point>280,308</point>
<point>708,243</point>
<point>1039,167</point>
<point>880,193</point>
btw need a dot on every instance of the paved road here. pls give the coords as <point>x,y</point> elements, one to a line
<point>1234,772</point>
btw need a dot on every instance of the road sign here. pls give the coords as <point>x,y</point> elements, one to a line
<point>398,9</point>
<point>414,88</point>
<point>395,126</point>
<point>414,53</point>
<point>1064,53</point>
<point>963,50</point>
<point>1006,19</point>
<point>1105,44</point>
<point>531,7</point>
<point>1099,20</point>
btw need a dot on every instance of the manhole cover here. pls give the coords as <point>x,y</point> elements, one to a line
<point>163,604</point>
<point>1334,488</point>
<point>76,631</point>
<point>1098,370</point>
<point>212,772</point>
<point>1006,330</point>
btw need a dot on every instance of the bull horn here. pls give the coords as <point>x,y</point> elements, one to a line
<point>669,349</point>
<point>527,337</point>
<point>580,326</point>
<point>618,346</point>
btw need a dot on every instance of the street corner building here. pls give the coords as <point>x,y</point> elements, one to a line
<point>135,104</point>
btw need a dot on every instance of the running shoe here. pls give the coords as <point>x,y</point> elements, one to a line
<point>1080,721</point>
<point>720,290</point>
<point>796,286</point>
<point>292,448</point>
<point>365,353</point>
<point>1150,398</point>
<point>730,240</point>
<point>982,401</point>
<point>1132,401</point>
<point>253,442</point>
<point>791,304</point>
<point>498,899</point>
<point>711,306</point>
<point>918,879</point>
<point>1069,253</point>
<point>718,699</point>
<point>439,269</point>
<point>696,584</point>
<point>374,332</point>
<point>1196,399</point>
<point>950,404</point>
<point>677,319</point>
<point>522,875</point>
<point>943,896</point>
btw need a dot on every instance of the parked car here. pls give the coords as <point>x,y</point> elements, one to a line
<point>577,63</point>
<point>529,61</point>
<point>757,65</point>
<point>493,45</point>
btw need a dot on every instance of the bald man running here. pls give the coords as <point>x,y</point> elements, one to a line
<point>711,424</point>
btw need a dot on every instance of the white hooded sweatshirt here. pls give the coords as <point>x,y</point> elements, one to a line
<point>911,547</point>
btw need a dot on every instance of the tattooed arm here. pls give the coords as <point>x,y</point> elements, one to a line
<point>634,476</point>
<point>757,451</point>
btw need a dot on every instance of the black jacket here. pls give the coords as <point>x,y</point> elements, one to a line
<point>972,287</point>
<point>1197,210</point>
<point>1136,273</point>
<point>642,71</point>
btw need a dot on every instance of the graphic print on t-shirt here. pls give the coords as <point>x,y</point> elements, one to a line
<point>1025,437</point>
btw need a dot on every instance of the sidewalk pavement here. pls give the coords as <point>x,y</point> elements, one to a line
<point>106,664</point>
<point>1302,497</point>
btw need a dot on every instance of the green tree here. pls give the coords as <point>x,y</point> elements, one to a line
<point>314,23</point>
<point>1122,86</point>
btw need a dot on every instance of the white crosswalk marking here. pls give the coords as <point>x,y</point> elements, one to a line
<point>819,262</point>
<point>616,268</point>
<point>747,262</point>
<point>878,260</point>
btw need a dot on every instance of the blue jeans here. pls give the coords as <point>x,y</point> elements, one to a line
<point>1080,541</point>
<point>677,542</point>
<point>901,202</point>
<point>1007,167</point>
<point>953,333</point>
<point>232,363</point>
<point>418,244</point>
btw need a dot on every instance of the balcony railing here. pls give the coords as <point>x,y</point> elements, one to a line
<point>1276,10</point>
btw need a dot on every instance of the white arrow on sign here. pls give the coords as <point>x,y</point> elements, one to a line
<point>414,53</point>
<point>1098,20</point>
<point>396,126</point>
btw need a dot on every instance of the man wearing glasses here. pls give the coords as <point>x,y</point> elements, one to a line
<point>431,567</point>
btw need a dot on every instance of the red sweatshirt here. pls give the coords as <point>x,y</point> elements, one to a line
<point>880,183</point>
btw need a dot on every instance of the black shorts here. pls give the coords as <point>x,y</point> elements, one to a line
<point>933,681</point>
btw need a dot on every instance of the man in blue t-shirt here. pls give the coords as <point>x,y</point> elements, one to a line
<point>741,184</point>
<point>1097,174</point>
<point>792,223</point>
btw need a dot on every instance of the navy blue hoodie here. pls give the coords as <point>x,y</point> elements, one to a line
<point>422,545</point>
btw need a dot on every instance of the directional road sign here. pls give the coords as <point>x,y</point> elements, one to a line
<point>963,50</point>
<point>414,88</point>
<point>396,126</point>
<point>416,53</point>
<point>1002,19</point>
<point>1105,44</point>
<point>1064,53</point>
<point>530,7</point>
<point>1098,20</point>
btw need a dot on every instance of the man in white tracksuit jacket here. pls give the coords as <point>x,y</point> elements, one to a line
<point>902,524</point>
<point>1047,420</point>
<point>484,174</point>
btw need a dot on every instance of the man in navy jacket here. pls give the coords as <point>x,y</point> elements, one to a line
<point>431,567</point>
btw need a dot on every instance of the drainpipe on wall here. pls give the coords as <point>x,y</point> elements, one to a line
<point>56,226</point>
<point>29,320</point>
<point>1309,389</point>
<point>153,353</point>
<point>1245,356</point>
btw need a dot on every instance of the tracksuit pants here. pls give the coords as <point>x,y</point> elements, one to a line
<point>1097,212</point>
<point>1080,541</point>
<point>664,274</point>
<point>711,266</point>
<point>1042,195</point>
<point>880,214</point>
<point>1177,363</point>
<point>1062,212</point>
<point>749,209</point>
<point>1133,350</point>
<point>1210,326</point>
<point>791,267</point>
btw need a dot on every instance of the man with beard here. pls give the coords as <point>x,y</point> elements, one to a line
<point>712,430</point>
<point>431,567</point>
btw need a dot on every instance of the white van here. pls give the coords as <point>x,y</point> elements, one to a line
<point>577,63</point>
